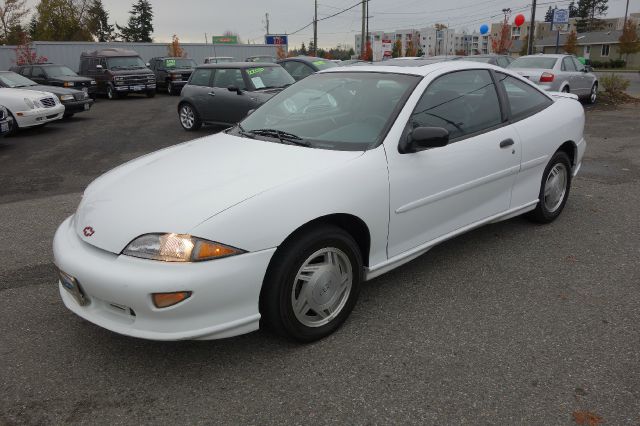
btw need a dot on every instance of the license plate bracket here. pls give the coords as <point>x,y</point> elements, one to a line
<point>73,287</point>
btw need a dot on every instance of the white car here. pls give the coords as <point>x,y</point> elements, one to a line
<point>338,179</point>
<point>31,107</point>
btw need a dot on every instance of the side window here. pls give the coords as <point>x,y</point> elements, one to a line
<point>226,77</point>
<point>26,71</point>
<point>567,64</point>
<point>524,100</point>
<point>201,77</point>
<point>462,102</point>
<point>578,64</point>
<point>38,72</point>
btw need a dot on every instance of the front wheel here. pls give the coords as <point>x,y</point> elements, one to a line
<point>554,190</point>
<point>312,284</point>
<point>565,89</point>
<point>189,118</point>
<point>111,93</point>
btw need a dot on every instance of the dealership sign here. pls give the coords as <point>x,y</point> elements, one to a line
<point>560,19</point>
<point>230,39</point>
<point>276,39</point>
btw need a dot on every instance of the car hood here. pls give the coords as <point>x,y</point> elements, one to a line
<point>22,92</point>
<point>178,188</point>
<point>56,90</point>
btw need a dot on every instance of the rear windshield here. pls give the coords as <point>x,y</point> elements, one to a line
<point>269,77</point>
<point>323,64</point>
<point>534,62</point>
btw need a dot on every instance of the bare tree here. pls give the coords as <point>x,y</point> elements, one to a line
<point>11,14</point>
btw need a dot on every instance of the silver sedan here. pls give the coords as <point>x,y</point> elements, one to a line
<point>558,73</point>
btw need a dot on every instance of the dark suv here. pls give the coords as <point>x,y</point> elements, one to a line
<point>118,72</point>
<point>223,94</point>
<point>56,75</point>
<point>172,73</point>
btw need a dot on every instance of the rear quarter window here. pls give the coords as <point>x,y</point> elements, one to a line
<point>524,100</point>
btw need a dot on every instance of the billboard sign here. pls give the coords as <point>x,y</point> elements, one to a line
<point>230,39</point>
<point>276,39</point>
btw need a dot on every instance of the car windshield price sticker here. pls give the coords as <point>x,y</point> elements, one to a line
<point>318,62</point>
<point>257,82</point>
<point>170,62</point>
<point>253,71</point>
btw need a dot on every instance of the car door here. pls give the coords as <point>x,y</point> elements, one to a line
<point>38,75</point>
<point>438,191</point>
<point>229,106</point>
<point>200,93</point>
<point>571,74</point>
<point>586,80</point>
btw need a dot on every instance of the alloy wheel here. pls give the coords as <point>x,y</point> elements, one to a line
<point>187,117</point>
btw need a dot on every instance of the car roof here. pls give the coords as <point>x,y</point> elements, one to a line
<point>111,52</point>
<point>239,65</point>
<point>418,67</point>
<point>303,59</point>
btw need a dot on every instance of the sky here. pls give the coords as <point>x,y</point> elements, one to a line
<point>191,19</point>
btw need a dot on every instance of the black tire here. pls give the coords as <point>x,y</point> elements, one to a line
<point>566,89</point>
<point>170,89</point>
<point>542,213</point>
<point>151,93</point>
<point>593,95</point>
<point>276,299</point>
<point>196,123</point>
<point>14,126</point>
<point>111,93</point>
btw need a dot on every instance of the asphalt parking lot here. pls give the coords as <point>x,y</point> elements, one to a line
<point>513,323</point>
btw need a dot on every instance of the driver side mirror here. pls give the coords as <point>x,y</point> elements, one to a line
<point>235,89</point>
<point>422,138</point>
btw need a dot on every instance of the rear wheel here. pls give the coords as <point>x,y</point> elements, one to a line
<point>554,190</point>
<point>312,284</point>
<point>189,118</point>
<point>593,95</point>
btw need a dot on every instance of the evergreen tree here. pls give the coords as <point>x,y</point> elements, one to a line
<point>396,52</point>
<point>588,12</point>
<point>548,17</point>
<point>140,25</point>
<point>58,20</point>
<point>98,22</point>
<point>573,10</point>
<point>303,50</point>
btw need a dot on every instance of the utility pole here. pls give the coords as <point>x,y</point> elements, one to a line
<point>363,37</point>
<point>366,31</point>
<point>315,29</point>
<point>626,12</point>
<point>532,28</point>
<point>266,19</point>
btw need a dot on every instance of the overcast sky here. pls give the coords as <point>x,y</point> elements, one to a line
<point>191,19</point>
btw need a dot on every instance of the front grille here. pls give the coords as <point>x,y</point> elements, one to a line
<point>80,96</point>
<point>48,102</point>
<point>133,80</point>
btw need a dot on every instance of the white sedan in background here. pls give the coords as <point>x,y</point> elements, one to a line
<point>31,108</point>
<point>338,179</point>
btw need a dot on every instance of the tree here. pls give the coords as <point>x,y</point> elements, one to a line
<point>281,54</point>
<point>440,27</point>
<point>629,42</point>
<point>571,45</point>
<point>97,22</point>
<point>548,17</point>
<point>502,43</point>
<point>59,20</point>
<point>140,25</point>
<point>25,55</point>
<point>303,50</point>
<point>410,50</point>
<point>174,49</point>
<point>229,33</point>
<point>573,10</point>
<point>525,44</point>
<point>11,14</point>
<point>461,52</point>
<point>396,52</point>
<point>588,13</point>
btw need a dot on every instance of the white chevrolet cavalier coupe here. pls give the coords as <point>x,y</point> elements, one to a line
<point>339,178</point>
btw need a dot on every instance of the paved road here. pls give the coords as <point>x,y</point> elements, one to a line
<point>513,323</point>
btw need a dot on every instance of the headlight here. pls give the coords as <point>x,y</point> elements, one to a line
<point>178,248</point>
<point>66,97</point>
<point>67,84</point>
<point>29,103</point>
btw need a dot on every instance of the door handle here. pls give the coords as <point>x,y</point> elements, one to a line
<point>505,143</point>
<point>211,93</point>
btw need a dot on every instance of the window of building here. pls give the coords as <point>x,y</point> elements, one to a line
<point>605,50</point>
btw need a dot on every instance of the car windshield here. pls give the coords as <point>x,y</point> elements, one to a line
<point>179,63</point>
<point>60,71</point>
<point>348,111</point>
<point>11,79</point>
<point>269,77</point>
<point>476,59</point>
<point>534,62</point>
<point>125,62</point>
<point>323,64</point>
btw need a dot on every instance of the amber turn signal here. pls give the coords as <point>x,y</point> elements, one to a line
<point>164,300</point>
<point>206,250</point>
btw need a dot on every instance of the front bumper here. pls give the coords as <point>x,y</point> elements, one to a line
<point>35,117</point>
<point>224,302</point>
<point>138,88</point>
<point>72,107</point>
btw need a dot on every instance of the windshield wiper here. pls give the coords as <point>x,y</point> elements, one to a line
<point>244,132</point>
<point>284,137</point>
